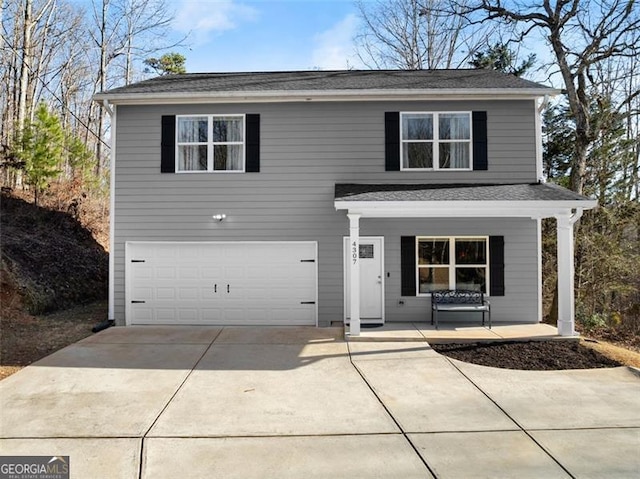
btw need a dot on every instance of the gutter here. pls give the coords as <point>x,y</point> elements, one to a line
<point>539,143</point>
<point>324,95</point>
<point>545,102</point>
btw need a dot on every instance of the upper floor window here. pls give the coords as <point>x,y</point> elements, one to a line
<point>435,141</point>
<point>210,143</point>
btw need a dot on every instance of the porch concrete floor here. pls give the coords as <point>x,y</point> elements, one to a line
<point>454,332</point>
<point>160,402</point>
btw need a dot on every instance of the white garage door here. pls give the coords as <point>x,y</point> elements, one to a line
<point>240,283</point>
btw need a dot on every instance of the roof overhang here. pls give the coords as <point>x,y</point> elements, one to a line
<point>463,209</point>
<point>324,95</point>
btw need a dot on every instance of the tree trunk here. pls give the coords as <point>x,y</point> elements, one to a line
<point>25,64</point>
<point>579,163</point>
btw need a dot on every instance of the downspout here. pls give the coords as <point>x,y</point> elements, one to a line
<point>111,110</point>
<point>538,126</point>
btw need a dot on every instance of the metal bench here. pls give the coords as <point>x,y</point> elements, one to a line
<point>460,300</point>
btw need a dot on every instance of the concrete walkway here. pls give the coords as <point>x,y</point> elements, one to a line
<point>165,402</point>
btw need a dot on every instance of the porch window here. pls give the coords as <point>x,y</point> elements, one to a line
<point>435,141</point>
<point>452,263</point>
<point>210,143</point>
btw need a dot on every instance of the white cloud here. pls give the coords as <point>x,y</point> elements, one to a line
<point>334,48</point>
<point>204,19</point>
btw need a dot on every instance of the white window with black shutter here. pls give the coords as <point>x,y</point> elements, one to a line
<point>452,262</point>
<point>210,143</point>
<point>436,141</point>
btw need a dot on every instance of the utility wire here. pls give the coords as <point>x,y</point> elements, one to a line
<point>62,104</point>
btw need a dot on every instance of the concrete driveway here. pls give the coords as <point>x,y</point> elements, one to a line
<point>166,402</point>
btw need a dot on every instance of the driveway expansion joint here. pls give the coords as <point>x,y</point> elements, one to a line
<point>144,435</point>
<point>402,431</point>
<point>511,418</point>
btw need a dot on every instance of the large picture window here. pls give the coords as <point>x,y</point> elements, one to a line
<point>452,263</point>
<point>435,141</point>
<point>214,143</point>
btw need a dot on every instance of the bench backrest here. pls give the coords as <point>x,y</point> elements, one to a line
<point>458,296</point>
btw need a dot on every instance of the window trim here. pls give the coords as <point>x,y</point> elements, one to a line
<point>210,144</point>
<point>452,261</point>
<point>436,140</point>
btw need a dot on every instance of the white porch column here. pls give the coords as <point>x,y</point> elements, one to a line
<point>566,295</point>
<point>354,265</point>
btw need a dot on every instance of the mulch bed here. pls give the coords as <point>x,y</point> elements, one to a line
<point>528,355</point>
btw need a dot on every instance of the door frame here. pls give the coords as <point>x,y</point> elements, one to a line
<point>128,257</point>
<point>345,266</point>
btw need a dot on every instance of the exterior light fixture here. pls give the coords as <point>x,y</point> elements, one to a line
<point>219,216</point>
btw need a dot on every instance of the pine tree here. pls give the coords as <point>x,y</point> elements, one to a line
<point>41,147</point>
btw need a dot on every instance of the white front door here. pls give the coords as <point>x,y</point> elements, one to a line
<point>371,279</point>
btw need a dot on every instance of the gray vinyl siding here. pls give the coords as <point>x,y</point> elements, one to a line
<point>305,149</point>
<point>520,302</point>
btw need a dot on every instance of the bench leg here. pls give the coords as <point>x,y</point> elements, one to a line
<point>489,313</point>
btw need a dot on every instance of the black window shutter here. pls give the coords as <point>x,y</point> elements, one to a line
<point>253,143</point>
<point>392,141</point>
<point>496,265</point>
<point>168,144</point>
<point>480,155</point>
<point>408,265</point>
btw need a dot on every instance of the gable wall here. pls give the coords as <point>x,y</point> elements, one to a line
<point>305,149</point>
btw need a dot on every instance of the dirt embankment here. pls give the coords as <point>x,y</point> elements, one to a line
<point>49,260</point>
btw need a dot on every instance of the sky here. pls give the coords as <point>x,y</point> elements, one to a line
<point>276,35</point>
<point>261,35</point>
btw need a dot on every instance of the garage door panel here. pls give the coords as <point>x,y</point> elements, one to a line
<point>221,283</point>
<point>141,293</point>
<point>165,293</point>
<point>190,272</point>
<point>191,293</point>
<point>188,315</point>
<point>214,274</point>
<point>143,314</point>
<point>165,272</point>
<point>210,315</point>
<point>166,315</point>
<point>143,273</point>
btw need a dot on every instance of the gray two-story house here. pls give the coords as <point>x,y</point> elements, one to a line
<point>318,197</point>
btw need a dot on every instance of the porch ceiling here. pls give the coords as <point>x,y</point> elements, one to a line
<point>537,200</point>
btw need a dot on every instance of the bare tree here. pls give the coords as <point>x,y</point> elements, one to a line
<point>122,31</point>
<point>60,53</point>
<point>418,34</point>
<point>144,31</point>
<point>582,34</point>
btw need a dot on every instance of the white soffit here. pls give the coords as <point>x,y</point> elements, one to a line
<point>463,209</point>
<point>325,95</point>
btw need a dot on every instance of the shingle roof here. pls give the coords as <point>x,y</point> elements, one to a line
<point>455,192</point>
<point>340,80</point>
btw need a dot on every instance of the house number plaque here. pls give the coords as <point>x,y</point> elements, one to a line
<point>354,252</point>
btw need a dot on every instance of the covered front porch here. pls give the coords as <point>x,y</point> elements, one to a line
<point>462,202</point>
<point>450,332</point>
